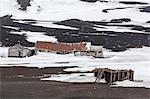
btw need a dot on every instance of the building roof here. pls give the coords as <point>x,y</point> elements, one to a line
<point>96,48</point>
<point>43,45</point>
<point>18,47</point>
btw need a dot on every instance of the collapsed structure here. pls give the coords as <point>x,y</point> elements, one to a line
<point>81,48</point>
<point>111,75</point>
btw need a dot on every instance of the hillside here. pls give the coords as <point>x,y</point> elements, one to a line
<point>122,27</point>
<point>115,24</point>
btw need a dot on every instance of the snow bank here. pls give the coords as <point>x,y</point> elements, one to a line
<point>51,25</point>
<point>58,10</point>
<point>3,52</point>
<point>36,36</point>
<point>136,59</point>
<point>77,77</point>
<point>128,83</point>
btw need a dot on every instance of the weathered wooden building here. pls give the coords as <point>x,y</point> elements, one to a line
<point>111,75</point>
<point>20,51</point>
<point>44,46</point>
<point>80,48</point>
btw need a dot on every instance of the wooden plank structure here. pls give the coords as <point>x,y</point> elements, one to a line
<point>59,47</point>
<point>79,48</point>
<point>111,75</point>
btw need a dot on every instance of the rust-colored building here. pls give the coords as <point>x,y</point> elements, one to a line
<point>45,46</point>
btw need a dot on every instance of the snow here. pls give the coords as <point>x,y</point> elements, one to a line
<point>146,1</point>
<point>48,24</point>
<point>51,25</point>
<point>128,83</point>
<point>77,77</point>
<point>3,51</point>
<point>36,36</point>
<point>118,29</point>
<point>58,10</point>
<point>137,59</point>
<point>10,27</point>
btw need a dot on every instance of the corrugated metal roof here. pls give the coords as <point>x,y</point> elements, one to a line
<point>68,47</point>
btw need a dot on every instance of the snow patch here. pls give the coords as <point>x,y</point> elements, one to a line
<point>77,77</point>
<point>3,52</point>
<point>36,36</point>
<point>58,10</point>
<point>137,59</point>
<point>128,83</point>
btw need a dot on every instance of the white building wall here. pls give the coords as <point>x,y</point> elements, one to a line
<point>26,52</point>
<point>18,52</point>
<point>88,45</point>
<point>13,52</point>
<point>96,48</point>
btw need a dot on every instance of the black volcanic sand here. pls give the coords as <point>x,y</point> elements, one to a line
<point>30,87</point>
<point>116,41</point>
<point>29,73</point>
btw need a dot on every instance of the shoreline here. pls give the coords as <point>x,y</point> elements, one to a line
<point>28,87</point>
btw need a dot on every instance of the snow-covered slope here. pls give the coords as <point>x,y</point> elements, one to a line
<point>58,10</point>
<point>68,9</point>
<point>36,36</point>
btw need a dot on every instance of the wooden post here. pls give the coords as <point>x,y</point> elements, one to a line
<point>74,53</point>
<point>114,77</point>
<point>110,77</point>
<point>128,75</point>
<point>118,75</point>
<point>123,75</point>
<point>131,75</point>
<point>99,75</point>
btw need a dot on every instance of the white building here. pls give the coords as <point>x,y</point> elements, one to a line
<point>19,51</point>
<point>91,50</point>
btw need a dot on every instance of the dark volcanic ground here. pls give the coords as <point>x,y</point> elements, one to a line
<point>29,86</point>
<point>24,83</point>
<point>85,31</point>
